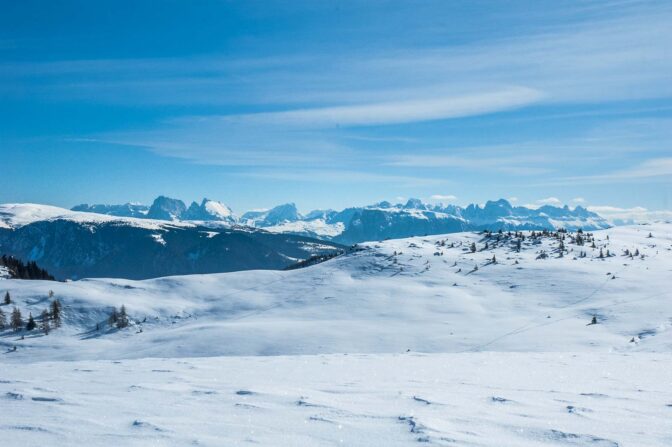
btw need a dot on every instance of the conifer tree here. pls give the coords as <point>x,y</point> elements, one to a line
<point>31,323</point>
<point>3,320</point>
<point>16,320</point>
<point>473,247</point>
<point>122,322</point>
<point>56,312</point>
<point>8,299</point>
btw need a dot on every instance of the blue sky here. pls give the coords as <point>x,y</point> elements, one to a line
<point>337,103</point>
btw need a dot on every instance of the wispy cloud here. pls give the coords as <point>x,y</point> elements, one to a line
<point>396,112</point>
<point>657,169</point>
<point>622,55</point>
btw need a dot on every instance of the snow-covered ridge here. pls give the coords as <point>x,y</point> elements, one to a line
<point>14,215</point>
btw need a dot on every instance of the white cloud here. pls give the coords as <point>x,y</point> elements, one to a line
<point>578,200</point>
<point>512,199</point>
<point>624,216</point>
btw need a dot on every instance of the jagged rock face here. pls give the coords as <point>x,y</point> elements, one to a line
<point>165,208</point>
<point>75,250</point>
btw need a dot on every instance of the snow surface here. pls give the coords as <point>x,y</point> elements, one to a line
<point>370,348</point>
<point>476,399</point>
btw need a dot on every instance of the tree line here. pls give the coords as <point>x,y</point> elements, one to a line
<point>21,270</point>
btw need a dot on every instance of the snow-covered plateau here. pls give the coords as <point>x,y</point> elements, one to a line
<point>464,339</point>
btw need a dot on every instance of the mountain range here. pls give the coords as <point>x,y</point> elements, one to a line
<point>382,220</point>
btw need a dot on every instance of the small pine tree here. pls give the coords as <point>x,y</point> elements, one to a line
<point>472,247</point>
<point>31,323</point>
<point>56,312</point>
<point>122,322</point>
<point>494,259</point>
<point>8,299</point>
<point>3,321</point>
<point>16,320</point>
<point>601,254</point>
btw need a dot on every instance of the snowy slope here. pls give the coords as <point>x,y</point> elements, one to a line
<point>375,301</point>
<point>372,348</point>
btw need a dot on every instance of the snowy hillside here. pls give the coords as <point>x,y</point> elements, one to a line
<point>420,339</point>
<point>73,244</point>
<point>427,297</point>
